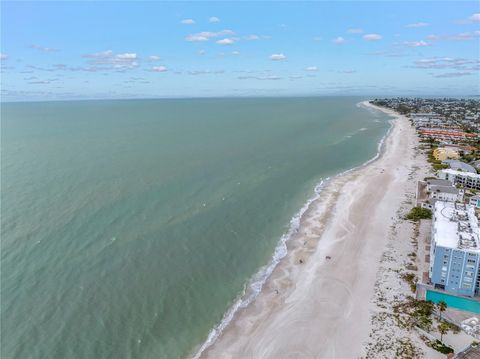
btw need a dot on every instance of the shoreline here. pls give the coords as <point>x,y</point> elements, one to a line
<point>287,252</point>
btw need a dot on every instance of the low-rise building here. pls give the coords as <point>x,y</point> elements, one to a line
<point>441,134</point>
<point>445,153</point>
<point>446,193</point>
<point>455,249</point>
<point>460,178</point>
<point>434,189</point>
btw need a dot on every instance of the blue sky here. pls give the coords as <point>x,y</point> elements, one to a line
<point>123,49</point>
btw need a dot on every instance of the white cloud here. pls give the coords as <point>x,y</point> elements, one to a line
<point>459,64</point>
<point>311,68</point>
<point>213,19</point>
<point>252,37</point>
<point>43,82</point>
<point>3,56</point>
<point>205,72</point>
<point>206,35</point>
<point>475,17</point>
<point>226,41</point>
<point>126,60</point>
<point>355,31</point>
<point>464,36</point>
<point>339,40</point>
<point>42,48</point>
<point>127,56</point>
<point>420,43</point>
<point>235,53</point>
<point>188,21</point>
<point>453,74</point>
<point>201,52</point>
<point>159,69</point>
<point>372,37</point>
<point>269,77</point>
<point>278,57</point>
<point>196,38</point>
<point>418,24</point>
<point>154,58</point>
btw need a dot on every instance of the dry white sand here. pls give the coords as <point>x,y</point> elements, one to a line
<point>314,307</point>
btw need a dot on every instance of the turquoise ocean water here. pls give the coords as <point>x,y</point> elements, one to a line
<point>129,228</point>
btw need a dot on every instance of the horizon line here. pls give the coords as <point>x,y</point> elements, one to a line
<point>2,101</point>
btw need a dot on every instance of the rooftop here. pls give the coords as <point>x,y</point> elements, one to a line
<point>461,173</point>
<point>455,226</point>
<point>445,189</point>
<point>423,114</point>
<point>456,165</point>
<point>439,131</point>
<point>439,182</point>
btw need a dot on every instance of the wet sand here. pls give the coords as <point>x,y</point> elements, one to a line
<point>318,301</point>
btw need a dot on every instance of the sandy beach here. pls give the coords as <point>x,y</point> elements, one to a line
<point>318,302</point>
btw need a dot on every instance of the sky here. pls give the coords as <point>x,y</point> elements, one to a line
<point>147,49</point>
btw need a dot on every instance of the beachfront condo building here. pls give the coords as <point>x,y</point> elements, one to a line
<point>455,249</point>
<point>460,178</point>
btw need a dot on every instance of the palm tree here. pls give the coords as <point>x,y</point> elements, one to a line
<point>441,306</point>
<point>443,329</point>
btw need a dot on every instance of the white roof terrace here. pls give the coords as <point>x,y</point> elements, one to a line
<point>456,227</point>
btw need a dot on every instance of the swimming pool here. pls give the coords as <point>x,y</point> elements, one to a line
<point>454,302</point>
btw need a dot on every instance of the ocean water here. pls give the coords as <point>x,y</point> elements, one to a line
<point>129,228</point>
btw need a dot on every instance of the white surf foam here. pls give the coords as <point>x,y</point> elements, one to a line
<point>254,286</point>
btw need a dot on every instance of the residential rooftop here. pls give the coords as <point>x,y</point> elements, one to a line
<point>456,227</point>
<point>439,182</point>
<point>461,173</point>
<point>456,165</point>
<point>445,189</point>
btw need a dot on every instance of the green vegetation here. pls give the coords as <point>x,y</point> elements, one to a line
<point>411,279</point>
<point>443,329</point>
<point>418,213</point>
<point>422,313</point>
<point>471,156</point>
<point>403,109</point>
<point>379,102</point>
<point>439,166</point>
<point>415,313</point>
<point>454,328</point>
<point>441,306</point>
<point>440,347</point>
